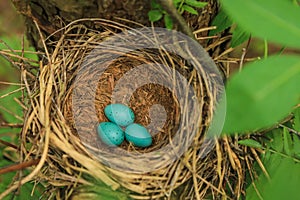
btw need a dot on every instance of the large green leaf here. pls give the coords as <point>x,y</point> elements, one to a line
<point>263,93</point>
<point>276,21</point>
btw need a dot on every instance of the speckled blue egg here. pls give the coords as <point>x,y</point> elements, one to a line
<point>138,135</point>
<point>110,133</point>
<point>120,114</point>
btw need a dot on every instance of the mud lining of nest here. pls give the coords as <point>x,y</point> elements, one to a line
<point>64,156</point>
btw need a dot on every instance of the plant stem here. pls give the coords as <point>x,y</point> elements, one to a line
<point>172,11</point>
<point>266,49</point>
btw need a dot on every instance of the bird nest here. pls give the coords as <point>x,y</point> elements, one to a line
<point>172,86</point>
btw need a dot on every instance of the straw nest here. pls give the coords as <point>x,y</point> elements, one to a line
<point>67,150</point>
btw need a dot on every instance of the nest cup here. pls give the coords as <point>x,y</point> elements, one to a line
<point>172,90</point>
<point>142,59</point>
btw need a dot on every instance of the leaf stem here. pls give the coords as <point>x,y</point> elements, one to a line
<point>266,49</point>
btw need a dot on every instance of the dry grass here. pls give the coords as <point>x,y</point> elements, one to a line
<point>49,135</point>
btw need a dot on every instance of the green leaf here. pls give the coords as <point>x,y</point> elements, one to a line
<point>283,143</point>
<point>239,36</point>
<point>276,21</point>
<point>296,147</point>
<point>297,119</point>
<point>263,93</point>
<point>98,191</point>
<point>155,5</point>
<point>287,142</point>
<point>273,158</point>
<point>222,21</point>
<point>15,43</point>
<point>176,2</point>
<point>190,9</point>
<point>5,178</point>
<point>25,191</point>
<point>276,140</point>
<point>155,15</point>
<point>195,3</point>
<point>250,143</point>
<point>10,104</point>
<point>168,21</point>
<point>283,184</point>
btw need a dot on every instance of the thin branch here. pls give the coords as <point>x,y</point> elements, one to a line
<point>19,166</point>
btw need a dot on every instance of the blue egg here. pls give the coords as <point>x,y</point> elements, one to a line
<point>110,133</point>
<point>120,114</point>
<point>138,135</point>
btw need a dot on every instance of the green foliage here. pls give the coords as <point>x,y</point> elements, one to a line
<point>297,119</point>
<point>282,163</point>
<point>5,180</point>
<point>250,143</point>
<point>8,102</point>
<point>262,94</point>
<point>276,21</point>
<point>168,21</point>
<point>222,21</point>
<point>25,192</point>
<point>283,184</point>
<point>9,112</point>
<point>13,43</point>
<point>188,6</point>
<point>189,9</point>
<point>267,91</point>
<point>98,191</point>
<point>239,36</point>
<point>155,15</point>
<point>157,12</point>
<point>287,142</point>
<point>94,192</point>
<point>9,108</point>
<point>195,3</point>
